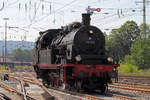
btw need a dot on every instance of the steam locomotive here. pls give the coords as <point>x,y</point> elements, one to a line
<point>73,57</point>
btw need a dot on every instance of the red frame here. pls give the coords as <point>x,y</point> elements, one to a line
<point>77,67</point>
<point>56,66</point>
<point>94,68</point>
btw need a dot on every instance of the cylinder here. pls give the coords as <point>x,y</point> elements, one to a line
<point>86,19</point>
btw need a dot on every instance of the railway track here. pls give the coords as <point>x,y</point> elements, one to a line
<point>53,91</point>
<point>131,87</point>
<point>87,96</point>
<point>132,76</point>
<point>22,91</point>
<point>66,95</point>
<point>134,85</point>
<point>78,96</point>
<point>121,97</point>
<point>135,79</point>
<point>4,97</point>
<point>28,80</point>
<point>7,88</point>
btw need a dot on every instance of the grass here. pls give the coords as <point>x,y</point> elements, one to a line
<point>132,70</point>
<point>22,67</point>
<point>4,68</point>
<point>7,68</point>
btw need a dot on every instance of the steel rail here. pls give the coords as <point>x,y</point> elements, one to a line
<point>132,85</point>
<point>14,90</point>
<point>86,96</point>
<point>90,97</point>
<point>32,82</point>
<point>23,90</point>
<point>4,97</point>
<point>129,88</point>
<point>121,97</point>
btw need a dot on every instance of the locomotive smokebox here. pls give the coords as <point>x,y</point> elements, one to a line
<point>86,19</point>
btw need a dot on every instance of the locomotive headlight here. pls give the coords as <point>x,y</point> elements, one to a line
<point>78,58</point>
<point>110,59</point>
<point>91,32</point>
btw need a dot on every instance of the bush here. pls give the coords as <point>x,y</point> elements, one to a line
<point>129,60</point>
<point>128,68</point>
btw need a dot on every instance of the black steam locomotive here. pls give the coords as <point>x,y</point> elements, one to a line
<point>73,57</point>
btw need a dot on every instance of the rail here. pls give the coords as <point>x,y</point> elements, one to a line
<point>14,91</point>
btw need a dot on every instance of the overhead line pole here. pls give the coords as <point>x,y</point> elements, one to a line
<point>144,18</point>
<point>6,19</point>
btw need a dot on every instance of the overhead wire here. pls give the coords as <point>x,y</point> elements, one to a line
<point>13,3</point>
<point>104,8</point>
<point>54,11</point>
<point>34,16</point>
<point>2,7</point>
<point>115,20</point>
<point>61,8</point>
<point>52,2</point>
<point>116,14</point>
<point>33,22</point>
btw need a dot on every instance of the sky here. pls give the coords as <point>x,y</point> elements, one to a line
<point>28,17</point>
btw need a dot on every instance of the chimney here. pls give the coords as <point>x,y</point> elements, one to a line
<point>86,19</point>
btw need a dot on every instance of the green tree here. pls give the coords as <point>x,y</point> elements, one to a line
<point>22,55</point>
<point>27,55</point>
<point>113,45</point>
<point>140,53</point>
<point>147,31</point>
<point>121,39</point>
<point>17,54</point>
<point>129,33</point>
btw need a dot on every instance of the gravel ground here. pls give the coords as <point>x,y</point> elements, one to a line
<point>38,93</point>
<point>34,91</point>
<point>12,96</point>
<point>12,84</point>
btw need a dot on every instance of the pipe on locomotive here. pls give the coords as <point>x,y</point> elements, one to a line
<point>86,19</point>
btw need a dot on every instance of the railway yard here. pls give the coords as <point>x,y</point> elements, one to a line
<point>25,86</point>
<point>74,50</point>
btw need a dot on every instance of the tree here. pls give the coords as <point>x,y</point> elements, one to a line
<point>140,53</point>
<point>17,54</point>
<point>129,33</point>
<point>22,55</point>
<point>147,34</point>
<point>140,50</point>
<point>121,39</point>
<point>113,45</point>
<point>27,55</point>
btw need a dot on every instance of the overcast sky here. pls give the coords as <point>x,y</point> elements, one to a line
<point>28,17</point>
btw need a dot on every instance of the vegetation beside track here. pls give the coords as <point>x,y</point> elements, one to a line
<point>130,69</point>
<point>4,68</point>
<point>22,67</point>
<point>7,68</point>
